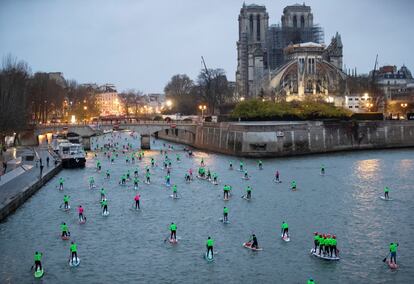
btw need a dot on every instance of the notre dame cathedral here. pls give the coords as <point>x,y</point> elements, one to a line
<point>289,59</point>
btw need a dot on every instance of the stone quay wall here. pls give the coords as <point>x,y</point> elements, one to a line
<point>275,139</point>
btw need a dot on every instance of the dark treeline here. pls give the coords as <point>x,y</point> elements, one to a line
<point>210,89</point>
<point>27,99</point>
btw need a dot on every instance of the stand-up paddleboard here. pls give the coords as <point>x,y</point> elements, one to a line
<point>224,222</point>
<point>174,197</point>
<point>322,256</point>
<point>135,187</point>
<point>215,183</point>
<point>65,238</point>
<point>386,199</point>
<point>392,265</point>
<point>83,221</point>
<point>105,213</point>
<point>146,182</point>
<point>246,198</point>
<point>226,199</point>
<point>200,177</point>
<point>293,189</point>
<point>277,181</point>
<point>73,262</point>
<point>172,241</point>
<point>39,273</point>
<point>167,184</point>
<point>286,238</point>
<point>66,209</point>
<point>245,178</point>
<point>249,246</point>
<point>209,257</point>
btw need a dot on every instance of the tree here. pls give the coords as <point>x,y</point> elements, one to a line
<point>180,90</point>
<point>131,100</point>
<point>14,93</point>
<point>215,89</point>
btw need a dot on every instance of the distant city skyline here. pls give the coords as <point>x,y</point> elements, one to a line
<point>141,44</point>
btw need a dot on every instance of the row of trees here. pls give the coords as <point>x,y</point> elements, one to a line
<point>27,98</point>
<point>211,88</point>
<point>256,109</point>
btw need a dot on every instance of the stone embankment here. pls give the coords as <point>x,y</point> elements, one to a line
<point>275,139</point>
<point>18,189</point>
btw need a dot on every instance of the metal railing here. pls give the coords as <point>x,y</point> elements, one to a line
<point>103,123</point>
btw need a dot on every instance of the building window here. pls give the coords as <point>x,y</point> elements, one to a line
<point>357,99</point>
<point>356,106</point>
<point>302,21</point>
<point>350,106</point>
<point>295,21</point>
<point>251,25</point>
<point>258,28</point>
<point>350,99</point>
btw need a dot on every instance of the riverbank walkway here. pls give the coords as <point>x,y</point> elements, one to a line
<point>17,185</point>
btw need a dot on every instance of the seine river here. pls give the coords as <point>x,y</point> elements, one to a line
<point>128,246</point>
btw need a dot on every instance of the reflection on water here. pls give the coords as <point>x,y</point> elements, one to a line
<point>129,246</point>
<point>368,173</point>
<point>405,166</point>
<point>367,170</point>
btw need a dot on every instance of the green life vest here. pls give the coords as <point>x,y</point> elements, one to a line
<point>73,248</point>
<point>210,242</point>
<point>393,247</point>
<point>173,227</point>
<point>38,257</point>
<point>225,210</point>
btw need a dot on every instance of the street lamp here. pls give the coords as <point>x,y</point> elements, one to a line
<point>85,108</point>
<point>168,103</point>
<point>404,105</point>
<point>242,99</point>
<point>369,106</point>
<point>202,108</point>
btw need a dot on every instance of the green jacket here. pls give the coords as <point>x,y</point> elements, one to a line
<point>38,256</point>
<point>73,248</point>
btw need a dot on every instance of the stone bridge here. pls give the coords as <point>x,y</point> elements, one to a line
<point>144,128</point>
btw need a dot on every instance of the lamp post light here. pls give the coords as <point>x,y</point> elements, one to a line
<point>202,108</point>
<point>369,106</point>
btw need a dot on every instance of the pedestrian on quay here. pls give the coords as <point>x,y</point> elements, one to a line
<point>41,170</point>
<point>41,162</point>
<point>47,161</point>
<point>4,167</point>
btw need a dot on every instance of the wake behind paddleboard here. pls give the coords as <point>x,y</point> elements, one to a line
<point>386,199</point>
<point>74,262</point>
<point>322,256</point>
<point>39,273</point>
<point>248,245</point>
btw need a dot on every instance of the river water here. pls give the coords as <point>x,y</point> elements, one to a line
<point>128,246</point>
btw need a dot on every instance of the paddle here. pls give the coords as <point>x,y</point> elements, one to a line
<point>385,259</point>
<point>166,238</point>
<point>60,206</point>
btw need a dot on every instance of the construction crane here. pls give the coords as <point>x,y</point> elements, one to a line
<point>205,67</point>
